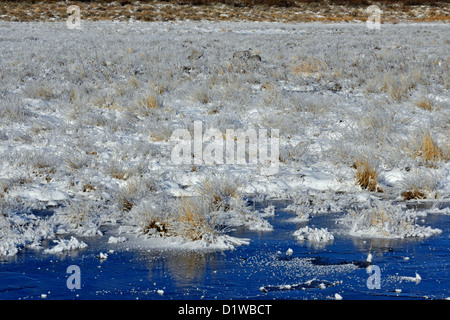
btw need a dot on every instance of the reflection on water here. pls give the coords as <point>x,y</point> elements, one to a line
<point>381,245</point>
<point>185,268</point>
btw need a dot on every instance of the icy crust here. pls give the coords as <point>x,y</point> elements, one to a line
<point>20,230</point>
<point>393,233</point>
<point>253,220</point>
<point>207,242</point>
<point>384,220</point>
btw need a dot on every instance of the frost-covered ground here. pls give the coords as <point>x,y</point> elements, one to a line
<point>86,119</point>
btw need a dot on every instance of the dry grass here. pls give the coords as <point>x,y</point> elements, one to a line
<point>202,96</point>
<point>414,193</point>
<point>195,219</point>
<point>3,190</point>
<point>116,170</point>
<point>427,149</point>
<point>397,87</point>
<point>220,191</point>
<point>44,92</point>
<point>425,103</point>
<point>312,67</point>
<point>156,224</point>
<point>126,203</point>
<point>227,10</point>
<point>366,176</point>
<point>76,161</point>
<point>77,213</point>
<point>420,185</point>
<point>134,190</point>
<point>87,187</point>
<point>148,104</point>
<point>380,216</point>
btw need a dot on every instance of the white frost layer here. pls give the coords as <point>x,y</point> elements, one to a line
<point>408,232</point>
<point>383,220</point>
<point>224,242</point>
<point>64,245</point>
<point>314,234</point>
<point>253,220</point>
<point>8,248</point>
<point>208,242</point>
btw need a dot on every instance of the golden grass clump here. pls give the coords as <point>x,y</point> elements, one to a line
<point>148,104</point>
<point>152,224</point>
<point>220,191</point>
<point>428,149</point>
<point>126,202</point>
<point>425,103</point>
<point>118,173</point>
<point>195,219</point>
<point>313,67</point>
<point>414,193</point>
<point>366,176</point>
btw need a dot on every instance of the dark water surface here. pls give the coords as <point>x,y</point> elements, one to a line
<point>261,270</point>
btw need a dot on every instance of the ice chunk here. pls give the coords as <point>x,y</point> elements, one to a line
<point>116,239</point>
<point>103,256</point>
<point>314,234</point>
<point>64,245</point>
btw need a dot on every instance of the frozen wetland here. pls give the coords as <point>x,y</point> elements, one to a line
<point>87,118</point>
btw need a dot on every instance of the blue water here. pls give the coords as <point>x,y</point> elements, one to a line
<point>260,270</point>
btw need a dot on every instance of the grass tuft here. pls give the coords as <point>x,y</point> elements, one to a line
<point>366,176</point>
<point>154,223</point>
<point>313,67</point>
<point>147,105</point>
<point>428,149</point>
<point>420,185</point>
<point>425,103</point>
<point>414,193</point>
<point>196,220</point>
<point>222,192</point>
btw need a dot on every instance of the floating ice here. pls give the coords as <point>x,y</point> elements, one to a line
<point>103,256</point>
